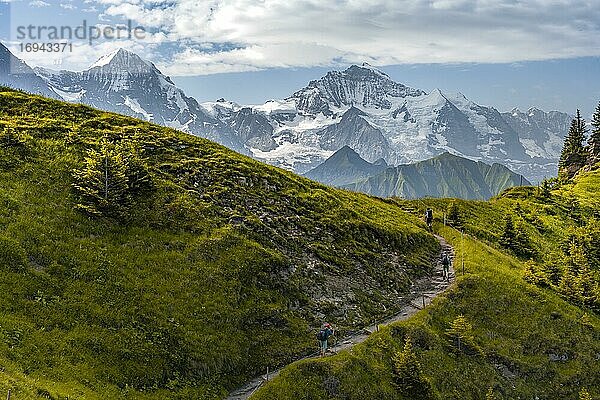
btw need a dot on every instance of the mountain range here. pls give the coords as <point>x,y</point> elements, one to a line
<point>17,74</point>
<point>446,175</point>
<point>360,107</point>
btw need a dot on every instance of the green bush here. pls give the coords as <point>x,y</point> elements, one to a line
<point>12,256</point>
<point>408,375</point>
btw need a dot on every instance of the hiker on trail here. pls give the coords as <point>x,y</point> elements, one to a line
<point>324,334</point>
<point>446,265</point>
<point>429,217</point>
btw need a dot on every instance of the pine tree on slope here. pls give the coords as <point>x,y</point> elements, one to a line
<point>574,154</point>
<point>102,184</point>
<point>594,142</point>
<point>408,376</point>
<point>509,234</point>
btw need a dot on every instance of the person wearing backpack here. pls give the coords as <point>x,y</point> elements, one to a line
<point>323,336</point>
<point>446,266</point>
<point>429,217</point>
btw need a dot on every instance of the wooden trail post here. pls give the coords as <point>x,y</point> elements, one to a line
<point>267,377</point>
<point>8,395</point>
<point>423,301</point>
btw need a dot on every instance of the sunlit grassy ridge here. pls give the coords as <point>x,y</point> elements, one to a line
<point>534,343</point>
<point>215,275</point>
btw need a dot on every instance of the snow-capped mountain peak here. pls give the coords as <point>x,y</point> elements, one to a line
<point>358,85</point>
<point>369,67</point>
<point>122,61</point>
<point>105,59</point>
<point>125,83</point>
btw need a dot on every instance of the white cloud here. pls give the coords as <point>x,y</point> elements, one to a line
<point>39,3</point>
<point>239,35</point>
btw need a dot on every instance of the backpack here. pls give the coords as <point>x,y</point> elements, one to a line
<point>322,335</point>
<point>445,260</point>
<point>429,214</point>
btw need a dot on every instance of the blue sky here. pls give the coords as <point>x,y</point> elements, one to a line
<point>505,53</point>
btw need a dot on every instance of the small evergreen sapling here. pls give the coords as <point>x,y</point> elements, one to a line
<point>545,189</point>
<point>454,217</point>
<point>408,375</point>
<point>509,234</point>
<point>461,334</point>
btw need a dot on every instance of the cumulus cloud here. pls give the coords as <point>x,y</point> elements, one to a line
<point>213,36</point>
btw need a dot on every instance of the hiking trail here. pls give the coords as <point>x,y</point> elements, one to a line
<point>422,293</point>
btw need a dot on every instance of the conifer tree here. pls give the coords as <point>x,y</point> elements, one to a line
<point>574,153</point>
<point>102,184</point>
<point>113,177</point>
<point>408,375</point>
<point>509,234</point>
<point>545,189</point>
<point>454,217</point>
<point>574,282</point>
<point>139,181</point>
<point>461,333</point>
<point>594,141</point>
<point>522,245</point>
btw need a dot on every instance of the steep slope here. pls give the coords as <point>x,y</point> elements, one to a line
<point>355,131</point>
<point>124,83</point>
<point>540,133</point>
<point>344,167</point>
<point>17,74</point>
<point>518,339</point>
<point>444,176</point>
<point>223,266</point>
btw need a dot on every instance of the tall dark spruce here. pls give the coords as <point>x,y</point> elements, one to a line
<point>574,153</point>
<point>594,142</point>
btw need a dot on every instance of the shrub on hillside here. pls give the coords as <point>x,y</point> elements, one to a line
<point>515,238</point>
<point>536,275</point>
<point>408,375</point>
<point>110,180</point>
<point>13,146</point>
<point>454,215</point>
<point>461,335</point>
<point>12,255</point>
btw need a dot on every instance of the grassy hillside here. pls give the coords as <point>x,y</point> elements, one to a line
<point>446,175</point>
<point>530,337</point>
<point>223,265</point>
<point>345,167</point>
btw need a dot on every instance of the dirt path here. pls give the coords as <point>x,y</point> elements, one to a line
<point>421,295</point>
